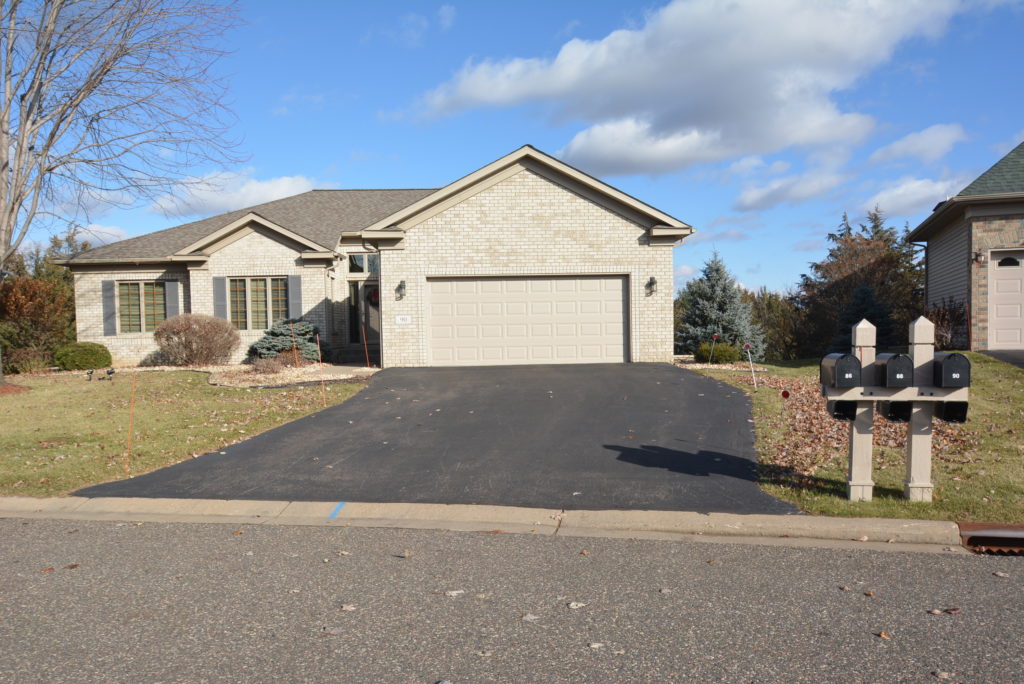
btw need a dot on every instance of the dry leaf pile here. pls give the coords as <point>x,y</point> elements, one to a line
<point>811,437</point>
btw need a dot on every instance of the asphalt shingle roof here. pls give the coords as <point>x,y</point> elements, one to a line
<point>1005,176</point>
<point>318,215</point>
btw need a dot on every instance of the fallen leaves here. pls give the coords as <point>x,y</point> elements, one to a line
<point>1001,574</point>
<point>883,635</point>
<point>575,605</point>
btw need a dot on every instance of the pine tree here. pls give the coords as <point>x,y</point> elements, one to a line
<point>713,304</point>
<point>863,305</point>
<point>872,255</point>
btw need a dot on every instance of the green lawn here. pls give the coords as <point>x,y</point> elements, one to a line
<point>977,467</point>
<point>66,433</point>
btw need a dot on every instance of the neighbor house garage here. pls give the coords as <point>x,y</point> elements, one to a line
<point>524,261</point>
<point>975,253</point>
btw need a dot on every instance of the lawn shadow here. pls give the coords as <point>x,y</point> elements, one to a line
<point>773,474</point>
<point>702,463</point>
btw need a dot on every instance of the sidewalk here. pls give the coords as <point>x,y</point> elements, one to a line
<point>874,532</point>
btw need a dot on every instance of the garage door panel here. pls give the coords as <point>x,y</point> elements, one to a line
<point>1006,300</point>
<point>527,320</point>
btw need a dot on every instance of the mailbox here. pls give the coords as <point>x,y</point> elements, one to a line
<point>840,370</point>
<point>952,411</point>
<point>842,410</point>
<point>951,370</point>
<point>896,411</point>
<point>894,370</point>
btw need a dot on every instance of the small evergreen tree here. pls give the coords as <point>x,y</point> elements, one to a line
<point>778,318</point>
<point>713,304</point>
<point>287,338</point>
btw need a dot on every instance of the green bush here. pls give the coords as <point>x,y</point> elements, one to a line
<point>292,338</point>
<point>83,356</point>
<point>723,353</point>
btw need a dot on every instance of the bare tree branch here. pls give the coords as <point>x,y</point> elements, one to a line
<point>106,101</point>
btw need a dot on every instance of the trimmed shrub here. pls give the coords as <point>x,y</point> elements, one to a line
<point>267,366</point>
<point>83,356</point>
<point>724,353</point>
<point>288,341</point>
<point>27,360</point>
<point>196,340</point>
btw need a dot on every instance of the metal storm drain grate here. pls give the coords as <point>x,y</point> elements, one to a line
<point>994,538</point>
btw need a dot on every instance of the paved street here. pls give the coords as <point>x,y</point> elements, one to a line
<point>150,602</point>
<point>608,436</point>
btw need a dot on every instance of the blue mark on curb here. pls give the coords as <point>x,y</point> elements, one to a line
<point>337,509</point>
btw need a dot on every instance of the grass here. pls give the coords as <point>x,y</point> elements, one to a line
<point>66,433</point>
<point>979,476</point>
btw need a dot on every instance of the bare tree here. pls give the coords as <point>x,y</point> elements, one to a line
<point>105,102</point>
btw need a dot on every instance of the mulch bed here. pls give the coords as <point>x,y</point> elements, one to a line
<point>10,388</point>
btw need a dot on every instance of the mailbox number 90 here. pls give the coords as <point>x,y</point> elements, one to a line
<point>956,376</point>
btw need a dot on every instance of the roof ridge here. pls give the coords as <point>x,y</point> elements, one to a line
<point>365,190</point>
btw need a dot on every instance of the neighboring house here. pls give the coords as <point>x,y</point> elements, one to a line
<point>526,260</point>
<point>975,254</point>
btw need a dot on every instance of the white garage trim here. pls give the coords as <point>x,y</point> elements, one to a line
<point>1006,299</point>
<point>484,321</point>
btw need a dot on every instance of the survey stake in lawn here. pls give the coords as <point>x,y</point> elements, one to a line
<point>908,389</point>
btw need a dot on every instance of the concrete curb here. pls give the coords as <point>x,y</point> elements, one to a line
<point>661,524</point>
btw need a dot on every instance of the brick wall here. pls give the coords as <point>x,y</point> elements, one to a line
<point>990,232</point>
<point>526,225</point>
<point>127,349</point>
<point>255,254</point>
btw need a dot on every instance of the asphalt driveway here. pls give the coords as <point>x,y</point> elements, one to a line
<point>615,436</point>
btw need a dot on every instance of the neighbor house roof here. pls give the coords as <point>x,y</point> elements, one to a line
<point>1004,182</point>
<point>1005,176</point>
<point>320,216</point>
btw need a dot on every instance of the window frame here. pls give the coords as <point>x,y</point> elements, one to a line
<point>150,304</point>
<point>243,306</point>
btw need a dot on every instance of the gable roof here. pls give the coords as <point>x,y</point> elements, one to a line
<point>526,154</point>
<point>1006,176</point>
<point>319,216</point>
<point>1003,182</point>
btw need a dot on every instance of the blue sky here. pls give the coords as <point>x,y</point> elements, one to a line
<point>759,122</point>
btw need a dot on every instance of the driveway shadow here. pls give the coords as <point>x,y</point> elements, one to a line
<point>702,463</point>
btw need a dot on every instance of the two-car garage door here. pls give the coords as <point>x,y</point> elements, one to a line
<point>507,321</point>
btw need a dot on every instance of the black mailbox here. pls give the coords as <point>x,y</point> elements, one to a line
<point>894,370</point>
<point>840,370</point>
<point>951,370</point>
<point>842,410</point>
<point>896,411</point>
<point>952,411</point>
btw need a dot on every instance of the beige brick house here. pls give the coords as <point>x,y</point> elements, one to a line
<point>524,261</point>
<point>975,255</point>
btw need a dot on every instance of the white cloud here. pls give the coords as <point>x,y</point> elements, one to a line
<point>788,190</point>
<point>931,144</point>
<point>809,245</point>
<point>1005,146</point>
<point>909,196</point>
<point>103,235</point>
<point>446,17</point>
<point>730,235</point>
<point>227,191</point>
<point>683,273</point>
<point>702,81</point>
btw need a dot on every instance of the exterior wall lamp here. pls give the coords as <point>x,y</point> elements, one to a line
<point>979,258</point>
<point>400,290</point>
<point>652,286</point>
